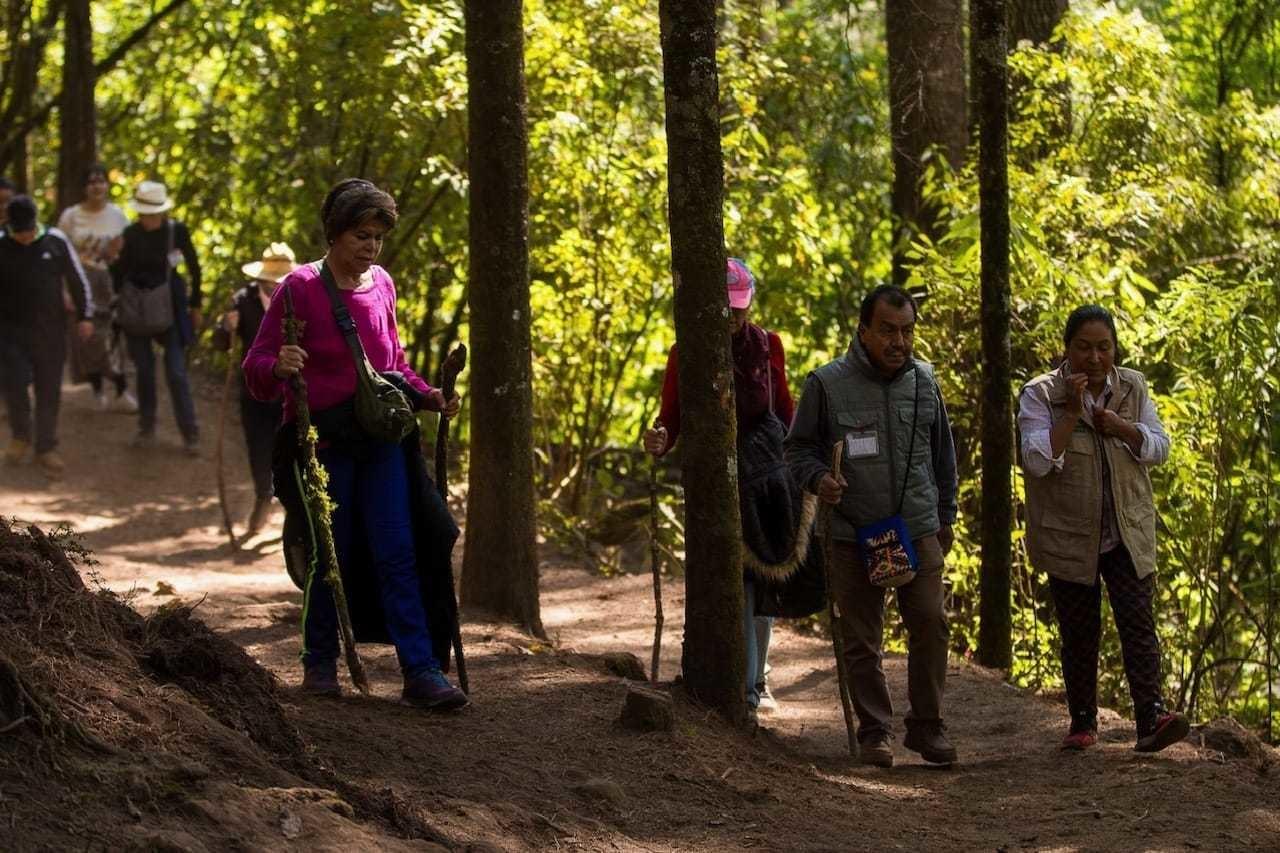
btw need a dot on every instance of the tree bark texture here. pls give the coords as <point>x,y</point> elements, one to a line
<point>990,81</point>
<point>928,110</point>
<point>1034,20</point>
<point>77,114</point>
<point>714,652</point>
<point>500,566</point>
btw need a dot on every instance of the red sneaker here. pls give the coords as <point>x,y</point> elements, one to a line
<point>1168,729</point>
<point>1077,741</point>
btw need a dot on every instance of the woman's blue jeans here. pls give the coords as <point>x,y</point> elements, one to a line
<point>757,631</point>
<point>377,490</point>
<point>175,374</point>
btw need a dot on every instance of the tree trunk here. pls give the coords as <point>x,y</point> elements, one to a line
<point>927,106</point>
<point>500,566</point>
<point>714,652</point>
<point>77,115</point>
<point>990,80</point>
<point>1034,20</point>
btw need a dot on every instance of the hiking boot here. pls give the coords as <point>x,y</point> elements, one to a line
<point>191,447</point>
<point>16,452</point>
<point>321,679</point>
<point>257,518</point>
<point>877,750</point>
<point>768,704</point>
<point>100,401</point>
<point>51,464</point>
<point>1163,729</point>
<point>125,402</point>
<point>930,741</point>
<point>432,690</point>
<point>144,440</point>
<point>1076,741</point>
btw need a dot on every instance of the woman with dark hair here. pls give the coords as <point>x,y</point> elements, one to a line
<point>94,227</point>
<point>393,534</point>
<point>1089,434</point>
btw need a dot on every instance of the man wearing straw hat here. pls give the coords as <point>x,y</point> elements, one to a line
<point>259,420</point>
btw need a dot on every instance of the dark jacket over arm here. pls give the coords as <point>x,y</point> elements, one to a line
<point>808,447</point>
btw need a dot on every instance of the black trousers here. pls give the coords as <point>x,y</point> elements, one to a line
<point>33,356</point>
<point>260,422</point>
<point>1079,608</point>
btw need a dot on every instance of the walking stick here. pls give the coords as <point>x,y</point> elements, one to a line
<point>449,370</point>
<point>655,565</point>
<point>222,422</point>
<point>316,497</point>
<point>828,557</point>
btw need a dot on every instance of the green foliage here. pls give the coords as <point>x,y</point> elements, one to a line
<point>1145,175</point>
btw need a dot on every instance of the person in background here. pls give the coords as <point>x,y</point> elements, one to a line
<point>152,249</point>
<point>36,264</point>
<point>1090,433</point>
<point>899,458</point>
<point>391,529</point>
<point>760,390</point>
<point>258,418</point>
<point>95,226</point>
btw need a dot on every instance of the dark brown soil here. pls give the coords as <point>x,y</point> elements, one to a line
<point>205,751</point>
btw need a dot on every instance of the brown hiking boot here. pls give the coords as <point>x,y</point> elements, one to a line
<point>876,750</point>
<point>16,452</point>
<point>930,740</point>
<point>51,464</point>
<point>321,679</point>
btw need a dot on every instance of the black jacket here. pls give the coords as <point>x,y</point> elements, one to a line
<point>32,278</point>
<point>434,533</point>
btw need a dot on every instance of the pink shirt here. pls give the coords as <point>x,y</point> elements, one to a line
<point>329,370</point>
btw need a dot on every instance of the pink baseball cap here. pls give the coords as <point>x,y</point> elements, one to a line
<point>741,284</point>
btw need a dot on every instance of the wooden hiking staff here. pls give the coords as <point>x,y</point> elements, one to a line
<point>316,497</point>
<point>828,558</point>
<point>449,370</point>
<point>217,451</point>
<point>655,565</point>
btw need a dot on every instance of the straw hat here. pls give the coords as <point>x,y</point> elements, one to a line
<point>277,262</point>
<point>151,197</point>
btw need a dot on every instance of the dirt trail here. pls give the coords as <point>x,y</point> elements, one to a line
<point>537,763</point>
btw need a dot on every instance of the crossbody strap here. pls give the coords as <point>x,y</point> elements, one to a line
<point>346,324</point>
<point>911,446</point>
<point>168,255</point>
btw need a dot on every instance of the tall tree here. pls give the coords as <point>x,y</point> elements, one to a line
<point>500,567</point>
<point>77,114</point>
<point>713,656</point>
<point>1034,20</point>
<point>990,81</point>
<point>927,106</point>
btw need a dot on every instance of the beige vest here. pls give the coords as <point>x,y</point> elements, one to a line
<point>1064,508</point>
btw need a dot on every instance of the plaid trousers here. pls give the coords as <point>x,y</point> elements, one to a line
<point>1079,608</point>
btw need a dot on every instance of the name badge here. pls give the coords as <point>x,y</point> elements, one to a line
<point>860,445</point>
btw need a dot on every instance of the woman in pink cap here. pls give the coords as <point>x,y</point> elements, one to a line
<point>775,517</point>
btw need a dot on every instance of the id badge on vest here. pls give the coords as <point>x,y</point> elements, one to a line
<point>861,445</point>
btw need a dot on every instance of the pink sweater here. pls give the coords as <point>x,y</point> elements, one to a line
<point>329,370</point>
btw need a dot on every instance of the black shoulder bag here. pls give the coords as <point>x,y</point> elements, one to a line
<point>382,410</point>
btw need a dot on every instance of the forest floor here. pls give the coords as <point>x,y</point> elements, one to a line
<point>538,762</point>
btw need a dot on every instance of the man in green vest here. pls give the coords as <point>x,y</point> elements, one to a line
<point>898,457</point>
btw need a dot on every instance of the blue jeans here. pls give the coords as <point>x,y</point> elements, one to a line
<point>758,631</point>
<point>175,374</point>
<point>377,489</point>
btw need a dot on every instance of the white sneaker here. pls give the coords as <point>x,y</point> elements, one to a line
<point>768,704</point>
<point>126,402</point>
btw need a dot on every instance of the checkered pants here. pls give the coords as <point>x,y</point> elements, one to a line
<point>1079,609</point>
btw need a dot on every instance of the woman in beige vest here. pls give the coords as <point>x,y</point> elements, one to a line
<point>1089,433</point>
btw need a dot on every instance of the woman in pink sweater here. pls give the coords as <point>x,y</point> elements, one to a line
<point>372,483</point>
